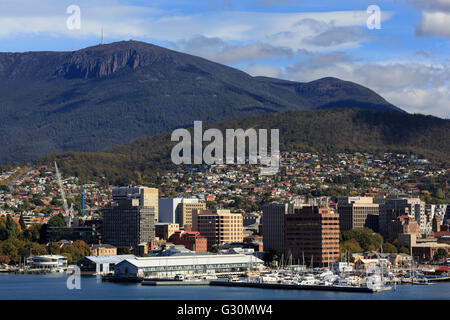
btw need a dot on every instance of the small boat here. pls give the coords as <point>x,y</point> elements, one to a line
<point>179,277</point>
<point>309,280</point>
<point>422,281</point>
<point>252,274</point>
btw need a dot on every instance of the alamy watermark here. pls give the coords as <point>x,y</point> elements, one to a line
<point>213,153</point>
<point>73,22</point>
<point>374,19</point>
<point>74,279</point>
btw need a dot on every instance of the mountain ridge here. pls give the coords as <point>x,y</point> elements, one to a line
<point>98,97</point>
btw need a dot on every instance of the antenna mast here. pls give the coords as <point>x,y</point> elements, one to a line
<point>63,196</point>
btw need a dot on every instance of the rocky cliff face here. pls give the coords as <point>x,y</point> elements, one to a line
<point>96,62</point>
<point>93,62</point>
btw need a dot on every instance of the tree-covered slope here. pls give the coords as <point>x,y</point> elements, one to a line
<point>331,130</point>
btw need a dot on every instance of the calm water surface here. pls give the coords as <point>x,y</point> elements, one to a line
<point>53,286</point>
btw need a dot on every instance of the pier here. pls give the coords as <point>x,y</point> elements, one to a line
<point>297,287</point>
<point>176,283</point>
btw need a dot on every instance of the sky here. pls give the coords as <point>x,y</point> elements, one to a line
<point>405,57</point>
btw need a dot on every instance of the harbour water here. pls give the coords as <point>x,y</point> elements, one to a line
<point>53,287</point>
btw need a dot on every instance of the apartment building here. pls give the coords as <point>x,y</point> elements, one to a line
<point>218,226</point>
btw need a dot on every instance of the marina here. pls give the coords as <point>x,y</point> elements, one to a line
<point>299,287</point>
<point>285,279</point>
<point>53,286</point>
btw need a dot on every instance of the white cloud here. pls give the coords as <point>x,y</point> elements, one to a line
<point>124,21</point>
<point>435,20</point>
<point>434,24</point>
<point>416,87</point>
<point>263,70</point>
<point>220,51</point>
<point>431,4</point>
<point>433,101</point>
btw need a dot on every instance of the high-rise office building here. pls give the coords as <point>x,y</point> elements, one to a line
<point>273,225</point>
<point>218,226</point>
<point>393,208</point>
<point>130,220</point>
<point>185,210</point>
<point>312,233</point>
<point>358,212</point>
<point>168,209</point>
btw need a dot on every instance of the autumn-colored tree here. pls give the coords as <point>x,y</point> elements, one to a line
<point>5,260</point>
<point>352,246</point>
<point>53,248</point>
<point>75,251</point>
<point>11,248</point>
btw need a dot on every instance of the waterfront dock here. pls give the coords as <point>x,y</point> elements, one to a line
<point>297,287</point>
<point>438,279</point>
<point>112,278</point>
<point>176,283</point>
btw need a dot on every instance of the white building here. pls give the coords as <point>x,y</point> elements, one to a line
<point>169,266</point>
<point>48,262</point>
<point>167,208</point>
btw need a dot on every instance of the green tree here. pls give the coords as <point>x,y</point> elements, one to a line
<point>56,221</point>
<point>3,232</point>
<point>22,223</point>
<point>11,227</point>
<point>389,248</point>
<point>32,249</point>
<point>367,239</point>
<point>404,250</point>
<point>352,246</point>
<point>33,233</point>
<point>270,256</point>
<point>11,248</point>
<point>77,250</point>
<point>440,254</point>
<point>53,248</point>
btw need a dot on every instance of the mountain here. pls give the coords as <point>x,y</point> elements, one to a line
<point>330,131</point>
<point>101,96</point>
